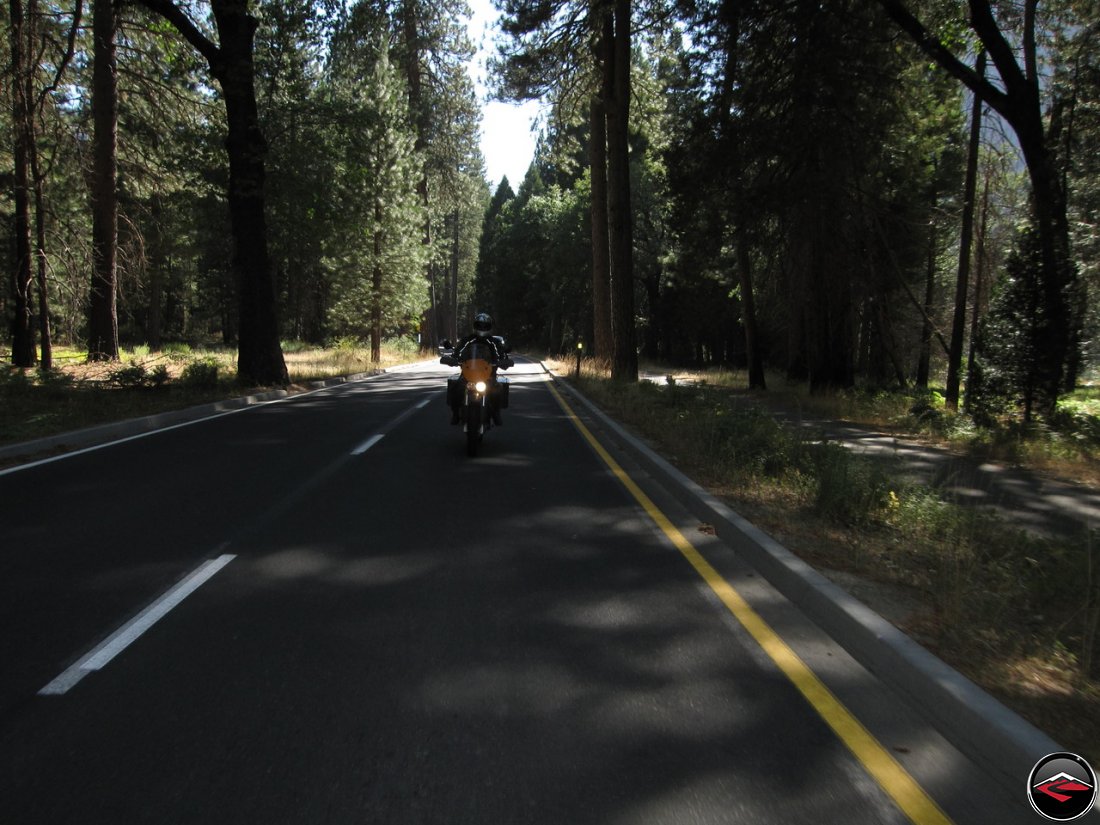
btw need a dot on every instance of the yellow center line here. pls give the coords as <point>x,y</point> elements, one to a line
<point>910,797</point>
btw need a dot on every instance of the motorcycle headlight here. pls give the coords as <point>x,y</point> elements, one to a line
<point>480,386</point>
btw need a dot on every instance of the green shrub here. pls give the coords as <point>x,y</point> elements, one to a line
<point>139,351</point>
<point>13,380</point>
<point>159,376</point>
<point>131,376</point>
<point>55,379</point>
<point>177,351</point>
<point>752,442</point>
<point>404,347</point>
<point>850,489</point>
<point>200,374</point>
<point>347,343</point>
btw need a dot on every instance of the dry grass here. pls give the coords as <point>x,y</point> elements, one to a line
<point>78,394</point>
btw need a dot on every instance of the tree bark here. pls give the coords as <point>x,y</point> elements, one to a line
<point>748,315</point>
<point>259,356</point>
<point>603,344</point>
<point>979,271</point>
<point>22,349</point>
<point>103,308</point>
<point>44,334</point>
<point>624,363</point>
<point>962,283</point>
<point>924,361</point>
<point>731,14</point>
<point>376,289</point>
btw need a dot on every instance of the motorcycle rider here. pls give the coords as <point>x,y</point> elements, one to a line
<point>483,328</point>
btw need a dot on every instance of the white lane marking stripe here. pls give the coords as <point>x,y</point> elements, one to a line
<point>147,433</point>
<point>374,439</point>
<point>133,629</point>
<point>366,445</point>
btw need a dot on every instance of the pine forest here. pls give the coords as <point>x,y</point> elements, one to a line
<point>845,193</point>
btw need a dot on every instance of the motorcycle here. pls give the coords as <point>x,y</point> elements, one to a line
<point>477,392</point>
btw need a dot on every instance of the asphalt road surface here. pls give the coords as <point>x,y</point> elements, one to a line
<point>320,610</point>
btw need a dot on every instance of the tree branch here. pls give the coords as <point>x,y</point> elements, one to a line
<point>999,49</point>
<point>182,23</point>
<point>66,58</point>
<point>931,46</point>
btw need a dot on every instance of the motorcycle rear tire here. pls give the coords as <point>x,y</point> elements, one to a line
<point>473,428</point>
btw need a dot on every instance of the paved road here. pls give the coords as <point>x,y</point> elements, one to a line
<point>398,633</point>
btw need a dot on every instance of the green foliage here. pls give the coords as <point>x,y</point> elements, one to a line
<point>130,376</point>
<point>381,266</point>
<point>159,376</point>
<point>535,278</point>
<point>850,489</point>
<point>177,351</point>
<point>748,445</point>
<point>135,375</point>
<point>405,348</point>
<point>200,375</point>
<point>55,380</point>
<point>347,343</point>
<point>1012,336</point>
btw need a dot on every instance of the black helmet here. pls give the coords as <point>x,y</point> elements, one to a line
<point>483,324</point>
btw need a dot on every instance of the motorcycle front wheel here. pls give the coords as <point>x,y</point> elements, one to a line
<point>473,427</point>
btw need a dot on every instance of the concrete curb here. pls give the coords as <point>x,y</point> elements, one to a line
<point>90,436</point>
<point>961,711</point>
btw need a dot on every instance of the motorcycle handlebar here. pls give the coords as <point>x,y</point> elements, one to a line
<point>451,361</point>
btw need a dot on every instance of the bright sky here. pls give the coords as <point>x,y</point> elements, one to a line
<point>507,141</point>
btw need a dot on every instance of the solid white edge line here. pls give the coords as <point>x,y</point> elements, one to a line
<point>133,629</point>
<point>366,445</point>
<point>72,453</point>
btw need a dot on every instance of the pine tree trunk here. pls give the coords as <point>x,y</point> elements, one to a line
<point>22,349</point>
<point>456,250</point>
<point>44,333</point>
<point>748,315</point>
<point>624,362</point>
<point>925,360</point>
<point>102,309</point>
<point>153,317</point>
<point>958,326</point>
<point>603,344</point>
<point>979,272</point>
<point>376,289</point>
<point>259,356</point>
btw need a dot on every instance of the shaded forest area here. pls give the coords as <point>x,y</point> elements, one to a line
<point>895,193</point>
<point>235,172</point>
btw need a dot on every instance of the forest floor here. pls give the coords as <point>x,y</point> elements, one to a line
<point>979,545</point>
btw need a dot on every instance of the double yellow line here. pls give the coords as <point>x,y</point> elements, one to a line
<point>909,796</point>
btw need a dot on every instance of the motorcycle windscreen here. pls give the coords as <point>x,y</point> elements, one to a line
<point>477,369</point>
<point>477,359</point>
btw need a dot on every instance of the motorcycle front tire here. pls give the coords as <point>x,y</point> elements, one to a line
<point>473,427</point>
